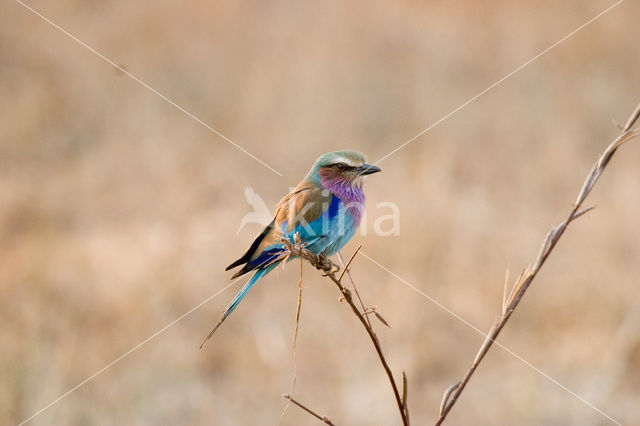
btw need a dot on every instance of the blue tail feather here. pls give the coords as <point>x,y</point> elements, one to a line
<point>241,294</point>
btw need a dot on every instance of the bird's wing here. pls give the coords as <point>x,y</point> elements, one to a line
<point>304,205</point>
<point>299,212</point>
<point>264,259</point>
<point>308,211</point>
<point>266,240</point>
<point>256,246</point>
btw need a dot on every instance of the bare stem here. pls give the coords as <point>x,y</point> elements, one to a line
<point>353,284</point>
<point>308,410</point>
<point>524,281</point>
<point>323,264</point>
<point>293,347</point>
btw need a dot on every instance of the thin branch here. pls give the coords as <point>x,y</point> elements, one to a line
<point>293,347</point>
<point>405,390</point>
<point>317,416</point>
<point>329,269</point>
<point>353,284</point>
<point>504,291</point>
<point>521,285</point>
<point>346,266</point>
<point>632,119</point>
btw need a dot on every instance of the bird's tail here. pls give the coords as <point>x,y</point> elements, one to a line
<point>236,300</point>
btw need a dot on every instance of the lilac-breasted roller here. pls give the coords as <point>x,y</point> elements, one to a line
<point>324,210</point>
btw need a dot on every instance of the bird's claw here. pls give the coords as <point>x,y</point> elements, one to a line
<point>328,265</point>
<point>324,264</point>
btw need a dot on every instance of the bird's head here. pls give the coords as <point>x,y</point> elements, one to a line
<point>346,168</point>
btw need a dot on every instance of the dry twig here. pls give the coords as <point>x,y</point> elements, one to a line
<point>317,416</point>
<point>295,340</point>
<point>524,281</point>
<point>325,265</point>
<point>346,270</point>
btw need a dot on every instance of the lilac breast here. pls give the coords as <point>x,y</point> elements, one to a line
<point>351,196</point>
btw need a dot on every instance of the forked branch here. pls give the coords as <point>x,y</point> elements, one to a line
<point>325,265</point>
<point>521,285</point>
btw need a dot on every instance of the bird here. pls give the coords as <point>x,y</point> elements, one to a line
<point>323,211</point>
<point>260,213</point>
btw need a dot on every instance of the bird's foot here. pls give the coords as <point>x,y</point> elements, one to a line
<point>326,265</point>
<point>335,268</point>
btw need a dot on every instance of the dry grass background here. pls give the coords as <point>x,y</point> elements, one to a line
<point>118,213</point>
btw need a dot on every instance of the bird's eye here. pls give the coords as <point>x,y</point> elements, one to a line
<point>341,167</point>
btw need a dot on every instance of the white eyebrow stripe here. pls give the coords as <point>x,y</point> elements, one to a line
<point>349,162</point>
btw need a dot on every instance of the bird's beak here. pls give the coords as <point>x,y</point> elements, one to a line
<point>367,169</point>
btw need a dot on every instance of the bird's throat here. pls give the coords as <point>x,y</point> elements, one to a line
<point>346,190</point>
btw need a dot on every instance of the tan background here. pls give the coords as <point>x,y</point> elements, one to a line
<point>118,213</point>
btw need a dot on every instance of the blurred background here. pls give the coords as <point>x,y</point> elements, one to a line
<point>118,213</point>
